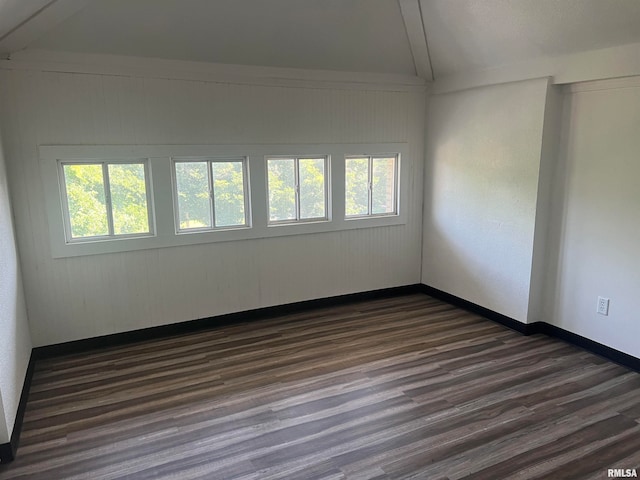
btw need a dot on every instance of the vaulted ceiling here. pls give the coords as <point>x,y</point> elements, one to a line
<point>430,38</point>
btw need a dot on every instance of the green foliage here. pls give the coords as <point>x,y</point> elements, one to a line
<point>282,189</point>
<point>357,186</point>
<point>312,195</point>
<point>228,191</point>
<point>383,179</point>
<point>86,200</point>
<point>128,198</point>
<point>194,200</point>
<point>194,205</point>
<point>87,203</point>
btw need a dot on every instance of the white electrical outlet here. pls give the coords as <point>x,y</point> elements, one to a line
<point>603,306</point>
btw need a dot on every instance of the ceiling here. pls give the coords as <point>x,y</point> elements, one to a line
<point>346,35</point>
<point>470,34</point>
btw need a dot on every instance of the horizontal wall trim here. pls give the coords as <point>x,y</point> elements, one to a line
<point>8,450</point>
<point>592,65</point>
<point>118,65</point>
<point>609,84</point>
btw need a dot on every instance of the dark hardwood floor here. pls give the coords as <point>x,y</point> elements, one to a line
<point>406,387</point>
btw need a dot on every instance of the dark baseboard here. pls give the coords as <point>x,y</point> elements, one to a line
<point>8,450</point>
<point>524,328</point>
<point>116,339</point>
<point>609,353</point>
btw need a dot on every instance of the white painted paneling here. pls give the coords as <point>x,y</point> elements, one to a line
<point>481,186</point>
<point>80,297</point>
<point>15,341</point>
<point>595,227</point>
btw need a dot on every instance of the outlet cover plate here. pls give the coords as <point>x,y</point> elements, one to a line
<point>603,306</point>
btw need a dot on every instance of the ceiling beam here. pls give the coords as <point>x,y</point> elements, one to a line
<point>412,16</point>
<point>40,21</point>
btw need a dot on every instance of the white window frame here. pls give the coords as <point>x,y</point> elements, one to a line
<point>396,168</point>
<point>161,190</point>
<point>64,198</point>
<point>327,188</point>
<point>212,208</point>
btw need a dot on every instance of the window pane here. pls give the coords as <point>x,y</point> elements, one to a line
<point>312,187</point>
<point>194,206</point>
<point>282,189</point>
<point>86,200</point>
<point>384,184</point>
<point>356,186</point>
<point>128,198</point>
<point>228,192</point>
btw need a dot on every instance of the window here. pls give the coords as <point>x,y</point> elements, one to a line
<point>297,189</point>
<point>105,199</point>
<point>371,186</point>
<point>210,194</point>
<point>117,198</point>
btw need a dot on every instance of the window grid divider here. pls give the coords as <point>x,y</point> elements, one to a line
<point>370,199</point>
<point>106,184</point>
<point>296,167</point>
<point>212,201</point>
<point>149,197</point>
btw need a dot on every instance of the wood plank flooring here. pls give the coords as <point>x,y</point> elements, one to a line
<point>406,387</point>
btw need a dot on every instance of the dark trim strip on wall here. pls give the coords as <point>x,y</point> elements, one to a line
<point>523,328</point>
<point>8,450</point>
<point>609,353</point>
<point>545,328</point>
<point>79,346</point>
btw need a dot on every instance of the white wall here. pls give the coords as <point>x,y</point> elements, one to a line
<point>87,296</point>
<point>548,167</point>
<point>15,342</point>
<point>595,228</point>
<point>481,183</point>
<point>532,204</point>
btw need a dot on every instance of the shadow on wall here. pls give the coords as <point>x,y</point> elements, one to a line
<point>557,217</point>
<point>446,266</point>
<point>479,217</point>
<point>15,343</point>
<point>594,226</point>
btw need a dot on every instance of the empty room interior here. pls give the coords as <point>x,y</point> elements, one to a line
<point>319,239</point>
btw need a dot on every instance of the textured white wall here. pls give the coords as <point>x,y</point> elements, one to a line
<point>82,297</point>
<point>595,227</point>
<point>481,183</point>
<point>15,341</point>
